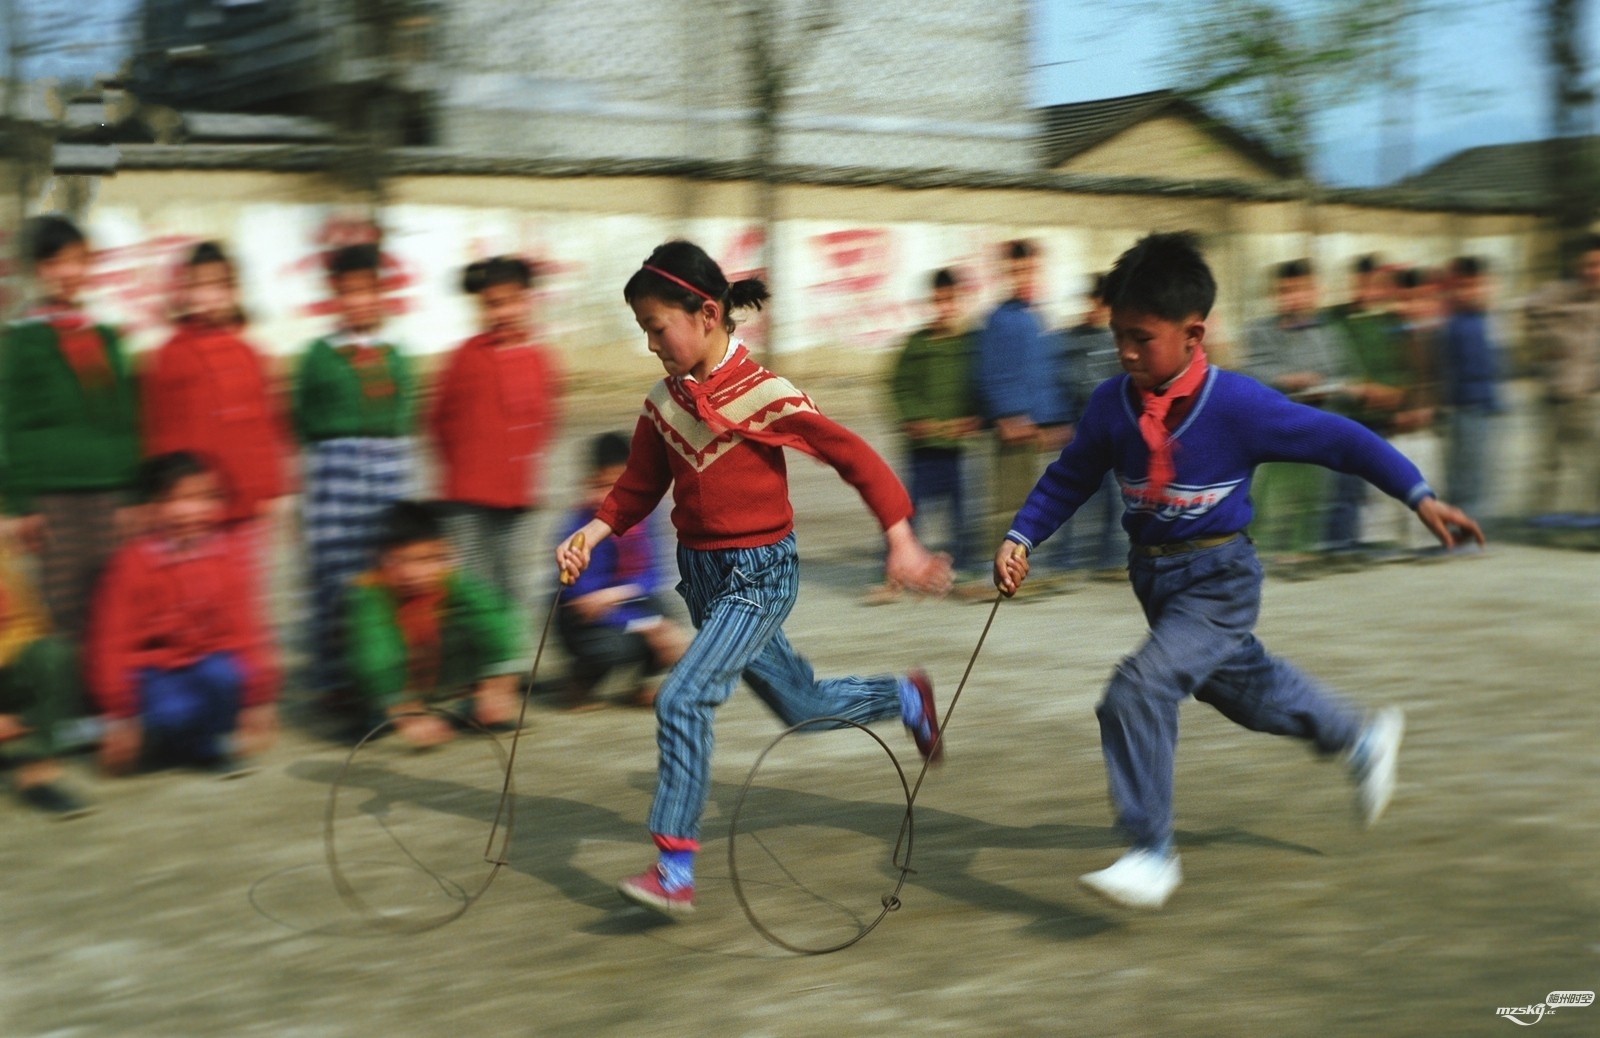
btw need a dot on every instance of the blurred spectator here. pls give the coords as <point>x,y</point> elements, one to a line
<point>934,405</point>
<point>1419,307</point>
<point>422,634</point>
<point>1297,353</point>
<point>207,391</point>
<point>39,687</point>
<point>612,617</point>
<point>1089,358</point>
<point>1470,368</point>
<point>177,656</point>
<point>1564,331</point>
<point>353,408</point>
<point>69,411</point>
<point>493,419</point>
<point>1377,386</point>
<point>1013,380</point>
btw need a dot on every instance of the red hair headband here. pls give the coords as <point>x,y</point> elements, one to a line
<point>702,293</point>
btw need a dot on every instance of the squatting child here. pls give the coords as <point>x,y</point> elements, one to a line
<point>1183,439</point>
<point>421,634</point>
<point>177,657</point>
<point>612,617</point>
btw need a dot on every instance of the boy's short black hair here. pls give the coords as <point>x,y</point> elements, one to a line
<point>1469,266</point>
<point>159,476</point>
<point>353,259</point>
<point>1020,249</point>
<point>1164,275</point>
<point>1367,264</point>
<point>607,450</point>
<point>944,277</point>
<point>409,522</point>
<point>47,235</point>
<point>1295,268</point>
<point>1589,243</point>
<point>497,270</point>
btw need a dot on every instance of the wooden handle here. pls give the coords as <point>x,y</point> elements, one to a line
<point>568,578</point>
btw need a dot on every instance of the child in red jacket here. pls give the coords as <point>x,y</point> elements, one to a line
<point>492,420</point>
<point>208,391</point>
<point>177,658</point>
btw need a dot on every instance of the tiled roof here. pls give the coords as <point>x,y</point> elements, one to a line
<point>1513,171</point>
<point>1070,130</point>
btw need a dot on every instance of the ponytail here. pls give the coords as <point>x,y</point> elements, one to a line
<point>747,294</point>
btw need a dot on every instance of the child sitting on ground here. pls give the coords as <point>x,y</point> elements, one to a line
<point>38,687</point>
<point>429,645</point>
<point>177,657</point>
<point>611,617</point>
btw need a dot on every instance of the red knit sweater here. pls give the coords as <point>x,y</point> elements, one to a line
<point>206,391</point>
<point>158,608</point>
<point>720,446</point>
<point>493,416</point>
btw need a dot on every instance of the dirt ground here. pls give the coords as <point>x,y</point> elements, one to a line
<point>192,907</point>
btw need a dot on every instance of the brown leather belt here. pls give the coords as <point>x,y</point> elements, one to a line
<point>1158,551</point>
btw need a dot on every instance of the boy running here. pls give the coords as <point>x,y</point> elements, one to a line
<point>1183,439</point>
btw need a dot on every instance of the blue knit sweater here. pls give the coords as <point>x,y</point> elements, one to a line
<point>1236,424</point>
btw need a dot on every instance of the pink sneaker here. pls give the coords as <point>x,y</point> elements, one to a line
<point>647,889</point>
<point>927,733</point>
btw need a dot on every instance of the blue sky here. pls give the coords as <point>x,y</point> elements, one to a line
<point>1480,73</point>
<point>1481,77</point>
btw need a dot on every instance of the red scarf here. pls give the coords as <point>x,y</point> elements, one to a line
<point>418,619</point>
<point>1153,411</point>
<point>738,375</point>
<point>371,365</point>
<point>80,343</point>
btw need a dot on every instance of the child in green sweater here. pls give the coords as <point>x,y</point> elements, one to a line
<point>68,414</point>
<point>354,409</point>
<point>420,634</point>
<point>936,409</point>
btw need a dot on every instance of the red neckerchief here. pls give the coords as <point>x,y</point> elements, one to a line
<point>419,621</point>
<point>737,375</point>
<point>1153,410</point>
<point>81,344</point>
<point>370,363</point>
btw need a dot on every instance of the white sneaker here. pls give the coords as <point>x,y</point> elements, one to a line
<point>1374,764</point>
<point>1138,879</point>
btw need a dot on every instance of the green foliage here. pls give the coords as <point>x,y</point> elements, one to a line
<point>1277,65</point>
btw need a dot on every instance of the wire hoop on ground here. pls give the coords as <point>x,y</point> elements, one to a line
<point>901,862</point>
<point>465,900</point>
<point>504,811</point>
<point>890,901</point>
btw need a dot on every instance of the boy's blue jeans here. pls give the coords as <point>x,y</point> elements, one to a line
<point>188,712</point>
<point>738,599</point>
<point>1201,607</point>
